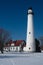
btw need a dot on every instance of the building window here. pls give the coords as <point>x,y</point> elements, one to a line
<point>5,48</point>
<point>17,48</point>
<point>11,48</point>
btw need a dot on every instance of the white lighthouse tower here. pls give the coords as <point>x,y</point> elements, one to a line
<point>30,42</point>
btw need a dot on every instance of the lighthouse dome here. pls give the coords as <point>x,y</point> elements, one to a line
<point>30,11</point>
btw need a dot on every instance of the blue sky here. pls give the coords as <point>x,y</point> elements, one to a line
<point>13,17</point>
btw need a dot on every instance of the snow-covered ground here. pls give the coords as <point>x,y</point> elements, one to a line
<point>21,59</point>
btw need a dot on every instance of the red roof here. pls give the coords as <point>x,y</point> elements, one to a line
<point>16,43</point>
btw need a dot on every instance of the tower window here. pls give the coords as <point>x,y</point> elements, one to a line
<point>29,48</point>
<point>29,32</point>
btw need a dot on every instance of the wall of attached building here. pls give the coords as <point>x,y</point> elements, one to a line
<point>6,48</point>
<point>12,48</point>
<point>18,46</point>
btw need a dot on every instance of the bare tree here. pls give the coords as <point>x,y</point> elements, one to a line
<point>4,38</point>
<point>37,43</point>
<point>23,43</point>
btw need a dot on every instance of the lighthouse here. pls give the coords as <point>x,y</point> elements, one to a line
<point>30,41</point>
